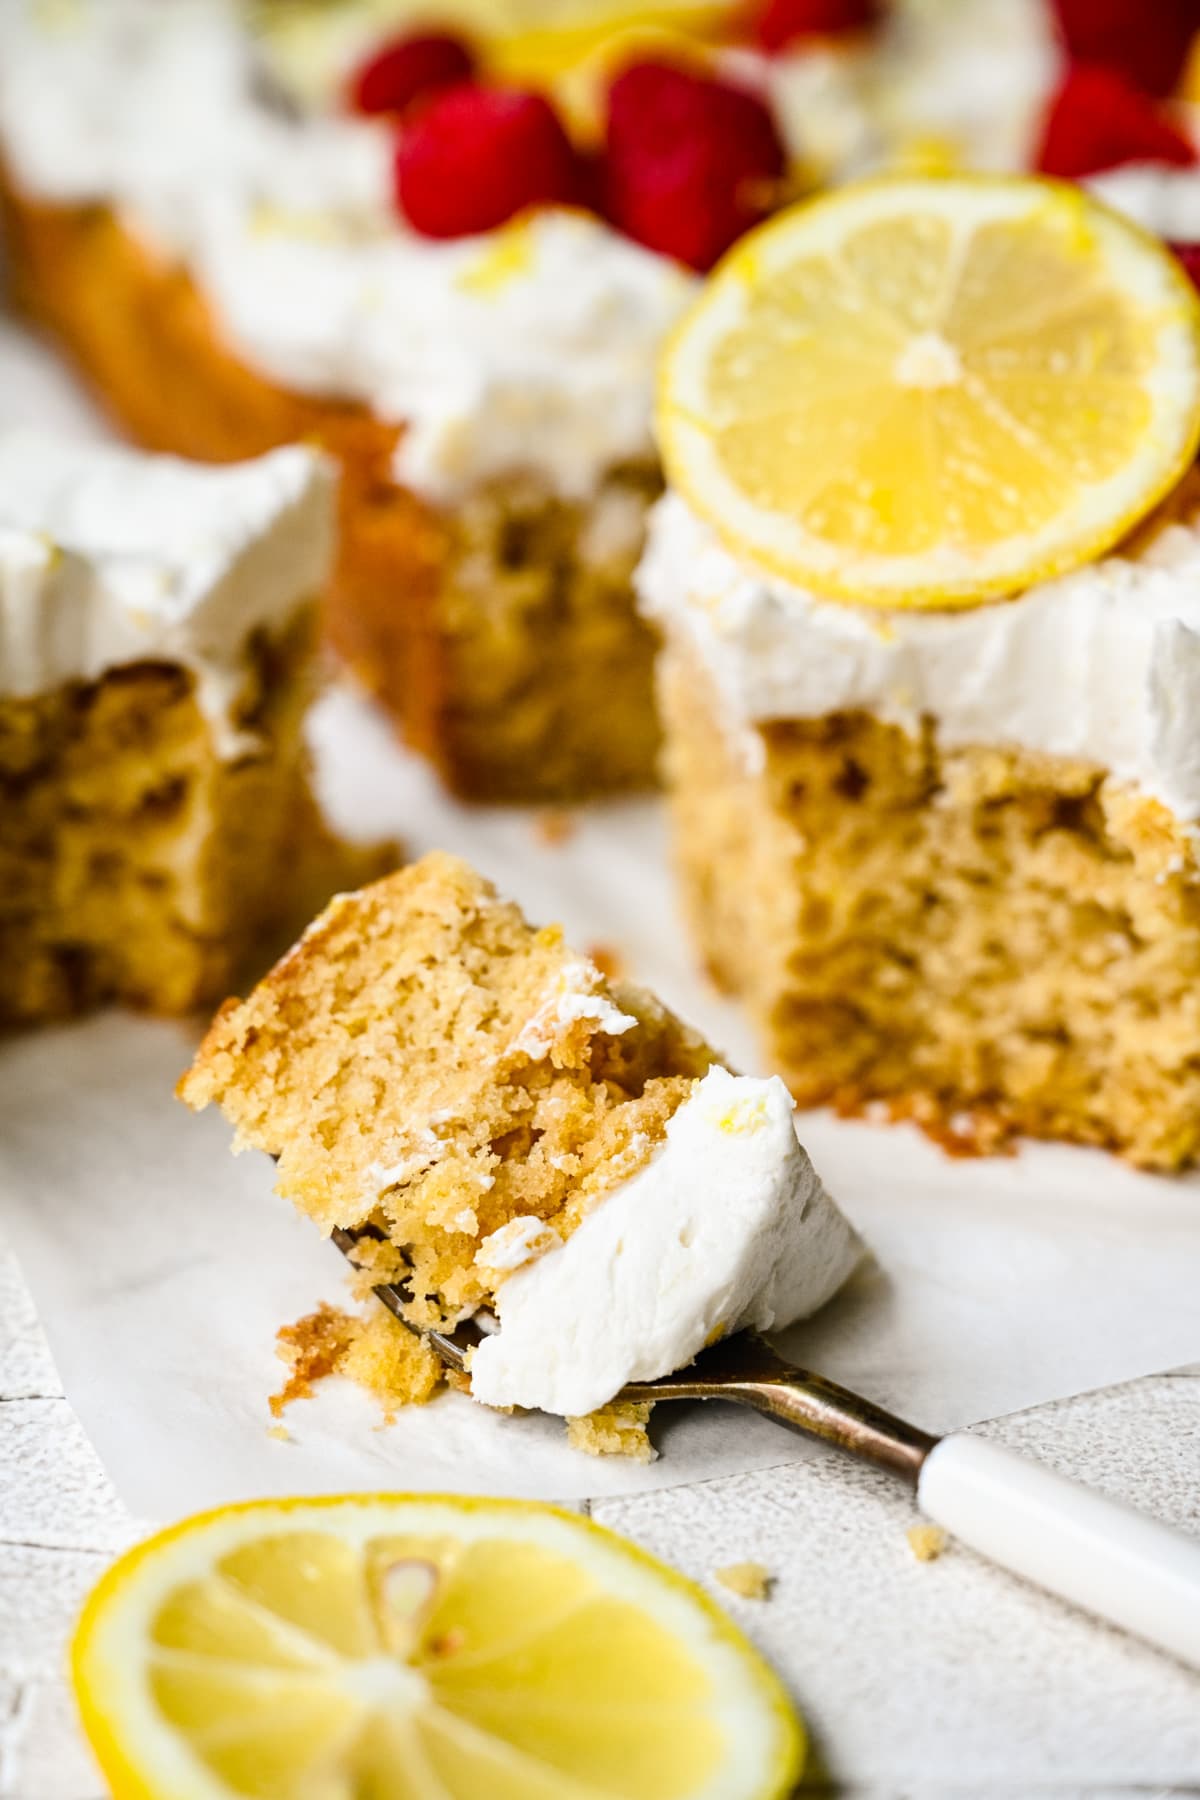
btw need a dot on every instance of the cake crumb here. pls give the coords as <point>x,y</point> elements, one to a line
<point>280,1433</point>
<point>617,1430</point>
<point>926,1542</point>
<point>750,1580</point>
<point>311,1349</point>
<point>391,1362</point>
<point>608,960</point>
<point>553,827</point>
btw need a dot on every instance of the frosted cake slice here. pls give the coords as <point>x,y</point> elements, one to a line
<point>931,712</point>
<point>155,649</point>
<point>524,1137</point>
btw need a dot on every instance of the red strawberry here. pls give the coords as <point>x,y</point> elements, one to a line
<point>1189,256</point>
<point>1144,40</point>
<point>1097,120</point>
<point>476,156</point>
<point>689,161</point>
<point>783,22</point>
<point>407,69</point>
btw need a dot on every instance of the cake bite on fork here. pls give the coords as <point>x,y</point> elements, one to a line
<point>510,1134</point>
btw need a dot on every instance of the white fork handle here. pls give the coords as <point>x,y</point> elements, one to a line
<point>1097,1553</point>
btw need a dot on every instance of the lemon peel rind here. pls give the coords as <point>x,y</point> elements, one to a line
<point>901,584</point>
<point>91,1668</point>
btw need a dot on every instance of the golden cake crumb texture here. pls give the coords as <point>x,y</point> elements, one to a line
<point>926,1542</point>
<point>372,1349</point>
<point>616,1430</point>
<point>749,1580</point>
<point>425,1065</point>
<point>982,939</point>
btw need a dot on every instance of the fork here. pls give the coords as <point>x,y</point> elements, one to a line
<point>1094,1552</point>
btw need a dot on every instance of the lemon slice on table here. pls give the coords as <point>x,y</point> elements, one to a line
<point>926,393</point>
<point>395,1647</point>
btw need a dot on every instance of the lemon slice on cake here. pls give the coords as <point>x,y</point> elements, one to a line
<point>406,1648</point>
<point>920,392</point>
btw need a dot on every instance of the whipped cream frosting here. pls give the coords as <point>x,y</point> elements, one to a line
<point>1101,665</point>
<point>1156,196</point>
<point>727,1226</point>
<point>976,75</point>
<point>531,348</point>
<point>109,557</point>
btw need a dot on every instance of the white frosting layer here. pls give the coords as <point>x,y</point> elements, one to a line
<point>727,1226</point>
<point>1156,196</point>
<point>108,557</point>
<point>977,74</point>
<point>1102,665</point>
<point>573,998</point>
<point>532,348</point>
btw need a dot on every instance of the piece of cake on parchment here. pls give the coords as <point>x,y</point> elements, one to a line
<point>519,1137</point>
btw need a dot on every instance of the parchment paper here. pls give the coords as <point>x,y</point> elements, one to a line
<point>161,1266</point>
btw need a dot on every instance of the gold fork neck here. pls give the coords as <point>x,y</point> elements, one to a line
<point>747,1371</point>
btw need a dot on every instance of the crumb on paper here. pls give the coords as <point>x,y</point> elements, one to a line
<point>393,1364</point>
<point>926,1542</point>
<point>608,960</point>
<point>312,1348</point>
<point>750,1580</point>
<point>616,1430</point>
<point>280,1433</point>
<point>553,826</point>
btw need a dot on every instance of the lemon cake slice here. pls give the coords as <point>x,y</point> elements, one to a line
<point>156,624</point>
<point>946,849</point>
<point>521,1138</point>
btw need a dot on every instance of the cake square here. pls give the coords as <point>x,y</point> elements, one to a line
<point>156,638</point>
<point>949,860</point>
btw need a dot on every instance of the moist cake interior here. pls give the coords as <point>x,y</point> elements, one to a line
<point>135,864</point>
<point>425,1064</point>
<point>988,939</point>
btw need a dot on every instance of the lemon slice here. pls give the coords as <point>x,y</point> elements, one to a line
<point>921,392</point>
<point>391,1647</point>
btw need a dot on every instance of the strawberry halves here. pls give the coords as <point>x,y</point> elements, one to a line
<point>690,163</point>
<point>407,69</point>
<point>783,22</point>
<point>476,156</point>
<point>1189,256</point>
<point>1098,121</point>
<point>1146,41</point>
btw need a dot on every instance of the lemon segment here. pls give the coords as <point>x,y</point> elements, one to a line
<point>929,393</point>
<point>391,1647</point>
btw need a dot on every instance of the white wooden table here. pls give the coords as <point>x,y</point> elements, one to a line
<point>920,1681</point>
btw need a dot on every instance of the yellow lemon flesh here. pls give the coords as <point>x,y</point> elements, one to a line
<point>569,46</point>
<point>393,1647</point>
<point>921,392</point>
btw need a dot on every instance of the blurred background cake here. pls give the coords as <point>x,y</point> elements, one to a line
<point>447,243</point>
<point>156,662</point>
